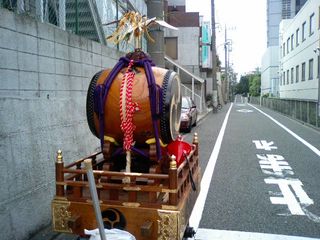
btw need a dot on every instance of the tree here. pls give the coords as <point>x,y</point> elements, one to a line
<point>249,83</point>
<point>254,84</point>
<point>243,86</point>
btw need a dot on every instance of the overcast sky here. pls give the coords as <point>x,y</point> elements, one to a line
<point>246,27</point>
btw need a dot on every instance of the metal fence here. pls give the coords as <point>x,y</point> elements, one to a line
<point>196,92</point>
<point>77,16</point>
<point>187,92</point>
<point>303,110</point>
<point>50,11</point>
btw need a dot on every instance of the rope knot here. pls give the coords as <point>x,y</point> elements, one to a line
<point>127,107</point>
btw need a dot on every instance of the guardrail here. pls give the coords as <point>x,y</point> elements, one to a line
<point>306,111</point>
<point>199,97</point>
<point>185,91</point>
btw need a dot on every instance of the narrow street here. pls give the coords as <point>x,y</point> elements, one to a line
<point>265,178</point>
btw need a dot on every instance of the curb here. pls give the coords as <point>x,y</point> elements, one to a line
<point>202,116</point>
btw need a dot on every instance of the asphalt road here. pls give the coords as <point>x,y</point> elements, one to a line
<point>265,180</point>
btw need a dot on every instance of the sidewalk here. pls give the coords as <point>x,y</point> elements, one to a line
<point>204,114</point>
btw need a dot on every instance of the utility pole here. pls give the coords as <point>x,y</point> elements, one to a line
<point>214,59</point>
<point>225,63</point>
<point>227,50</point>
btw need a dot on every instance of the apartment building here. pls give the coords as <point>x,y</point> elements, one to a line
<point>183,45</point>
<point>277,10</point>
<point>299,54</point>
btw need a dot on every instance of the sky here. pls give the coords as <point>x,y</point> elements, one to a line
<point>246,24</point>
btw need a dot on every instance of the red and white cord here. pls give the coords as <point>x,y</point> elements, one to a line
<point>127,107</point>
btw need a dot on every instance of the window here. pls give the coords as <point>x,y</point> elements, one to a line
<point>286,9</point>
<point>297,73</point>
<point>297,37</point>
<point>284,78</point>
<point>311,24</point>
<point>288,41</point>
<point>311,69</point>
<point>171,47</point>
<point>303,71</point>
<point>303,31</point>
<point>280,79</point>
<point>292,72</point>
<point>291,42</point>
<point>287,76</point>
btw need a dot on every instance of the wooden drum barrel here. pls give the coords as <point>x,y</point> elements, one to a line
<point>168,106</point>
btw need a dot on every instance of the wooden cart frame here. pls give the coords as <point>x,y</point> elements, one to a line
<point>151,206</point>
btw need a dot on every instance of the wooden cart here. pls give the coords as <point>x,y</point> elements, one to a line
<point>154,205</point>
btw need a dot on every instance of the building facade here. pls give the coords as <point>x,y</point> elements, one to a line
<point>299,54</point>
<point>183,45</point>
<point>277,10</point>
<point>269,72</point>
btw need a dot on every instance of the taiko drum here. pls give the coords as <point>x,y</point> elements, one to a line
<point>168,106</point>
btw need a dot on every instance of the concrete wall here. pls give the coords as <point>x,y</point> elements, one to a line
<point>44,76</point>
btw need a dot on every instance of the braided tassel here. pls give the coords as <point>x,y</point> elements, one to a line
<point>127,109</point>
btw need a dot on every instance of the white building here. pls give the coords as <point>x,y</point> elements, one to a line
<point>276,11</point>
<point>269,72</point>
<point>299,58</point>
<point>186,42</point>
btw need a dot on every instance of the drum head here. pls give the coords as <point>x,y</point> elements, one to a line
<point>90,103</point>
<point>171,107</point>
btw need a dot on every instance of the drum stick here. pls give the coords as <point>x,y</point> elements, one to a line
<point>95,199</point>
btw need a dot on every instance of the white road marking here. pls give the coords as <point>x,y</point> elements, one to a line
<point>245,110</point>
<point>288,197</point>
<point>196,214</point>
<point>280,167</point>
<point>211,234</point>
<point>274,162</point>
<point>311,147</point>
<point>263,144</point>
<point>283,173</point>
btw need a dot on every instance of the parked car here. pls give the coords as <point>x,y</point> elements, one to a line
<point>188,114</point>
